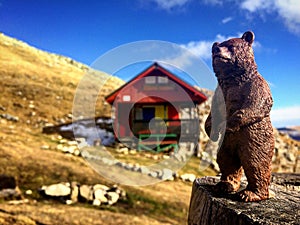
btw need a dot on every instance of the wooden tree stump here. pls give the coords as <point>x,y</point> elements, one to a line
<point>208,207</point>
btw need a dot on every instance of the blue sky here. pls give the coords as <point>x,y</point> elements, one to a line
<point>85,30</point>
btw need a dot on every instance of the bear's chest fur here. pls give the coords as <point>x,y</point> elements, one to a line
<point>235,94</point>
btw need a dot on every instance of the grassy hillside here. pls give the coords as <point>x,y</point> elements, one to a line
<point>38,88</point>
<point>31,77</point>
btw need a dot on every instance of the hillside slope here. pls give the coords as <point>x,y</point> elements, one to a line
<point>39,87</point>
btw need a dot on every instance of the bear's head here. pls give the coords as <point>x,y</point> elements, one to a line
<point>234,57</point>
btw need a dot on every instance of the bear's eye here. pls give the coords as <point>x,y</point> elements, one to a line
<point>231,48</point>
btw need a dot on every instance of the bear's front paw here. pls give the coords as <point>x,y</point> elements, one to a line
<point>224,187</point>
<point>249,196</point>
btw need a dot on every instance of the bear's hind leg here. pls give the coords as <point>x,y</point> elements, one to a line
<point>231,171</point>
<point>256,162</point>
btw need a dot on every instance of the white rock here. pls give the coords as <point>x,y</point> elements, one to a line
<point>45,147</point>
<point>132,151</point>
<point>61,189</point>
<point>101,186</point>
<point>129,166</point>
<point>108,162</point>
<point>28,192</point>
<point>63,141</point>
<point>69,202</point>
<point>153,174</point>
<point>86,192</point>
<point>74,192</point>
<point>167,174</point>
<point>59,147</point>
<point>76,152</point>
<point>96,202</point>
<point>100,195</point>
<point>166,156</point>
<point>123,150</point>
<point>72,143</point>
<point>144,170</point>
<point>112,197</point>
<point>188,177</point>
<point>155,157</point>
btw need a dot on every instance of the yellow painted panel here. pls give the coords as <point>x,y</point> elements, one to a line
<point>160,111</point>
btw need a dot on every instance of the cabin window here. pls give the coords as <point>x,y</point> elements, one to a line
<point>138,113</point>
<point>150,80</point>
<point>163,80</point>
<point>126,98</point>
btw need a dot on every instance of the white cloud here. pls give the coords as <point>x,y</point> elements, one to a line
<point>254,5</point>
<point>226,20</point>
<point>288,10</point>
<point>170,4</point>
<point>202,48</point>
<point>212,2</point>
<point>287,116</point>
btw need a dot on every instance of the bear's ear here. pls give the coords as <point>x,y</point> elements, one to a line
<point>248,36</point>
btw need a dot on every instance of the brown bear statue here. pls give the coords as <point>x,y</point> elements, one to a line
<point>248,141</point>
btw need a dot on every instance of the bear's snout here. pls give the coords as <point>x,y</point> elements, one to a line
<point>215,48</point>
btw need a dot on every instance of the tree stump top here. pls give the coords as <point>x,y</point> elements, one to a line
<point>208,207</point>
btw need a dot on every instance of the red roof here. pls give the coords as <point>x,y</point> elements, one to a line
<point>196,95</point>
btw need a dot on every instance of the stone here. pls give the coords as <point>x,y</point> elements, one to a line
<point>72,143</point>
<point>96,202</point>
<point>69,202</point>
<point>77,152</point>
<point>45,147</point>
<point>136,167</point>
<point>100,195</point>
<point>74,192</point>
<point>128,166</point>
<point>167,174</point>
<point>207,206</point>
<point>97,142</point>
<point>9,117</point>
<point>153,174</point>
<point>188,177</point>
<point>145,170</point>
<point>122,149</point>
<point>132,151</point>
<point>28,192</point>
<point>112,197</point>
<point>9,194</point>
<point>57,190</point>
<point>60,147</point>
<point>85,193</point>
<point>101,186</point>
<point>121,192</point>
<point>8,188</point>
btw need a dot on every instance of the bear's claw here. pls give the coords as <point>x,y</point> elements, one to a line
<point>249,196</point>
<point>224,187</point>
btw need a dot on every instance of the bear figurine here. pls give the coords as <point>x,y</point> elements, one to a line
<point>248,140</point>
